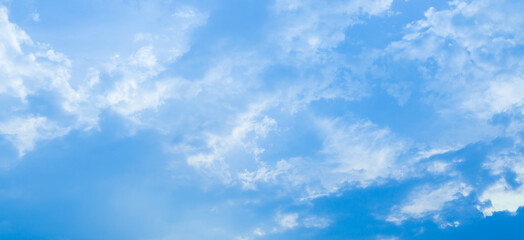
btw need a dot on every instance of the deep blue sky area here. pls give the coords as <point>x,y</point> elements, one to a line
<point>246,120</point>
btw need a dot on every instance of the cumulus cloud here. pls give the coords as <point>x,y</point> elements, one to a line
<point>501,196</point>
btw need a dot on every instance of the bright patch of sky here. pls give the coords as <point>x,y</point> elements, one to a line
<point>281,119</point>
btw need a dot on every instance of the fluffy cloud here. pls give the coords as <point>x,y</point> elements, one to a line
<point>27,73</point>
<point>501,196</point>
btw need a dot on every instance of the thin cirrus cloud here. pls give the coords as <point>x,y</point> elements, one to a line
<point>275,115</point>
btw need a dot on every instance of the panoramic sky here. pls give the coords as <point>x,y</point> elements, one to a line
<point>249,119</point>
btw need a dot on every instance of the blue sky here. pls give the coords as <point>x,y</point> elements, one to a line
<point>281,119</point>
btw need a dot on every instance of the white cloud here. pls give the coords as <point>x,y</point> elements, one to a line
<point>501,197</point>
<point>438,167</point>
<point>25,132</point>
<point>307,27</point>
<point>29,68</point>
<point>355,153</point>
<point>137,87</point>
<point>362,152</point>
<point>259,232</point>
<point>263,174</point>
<point>225,117</point>
<point>433,152</point>
<point>316,222</point>
<point>12,36</point>
<point>288,220</point>
<point>227,120</point>
<point>509,160</point>
<point>144,57</point>
<point>131,97</point>
<point>477,70</point>
<point>248,129</point>
<point>24,74</point>
<point>468,55</point>
<point>429,200</point>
